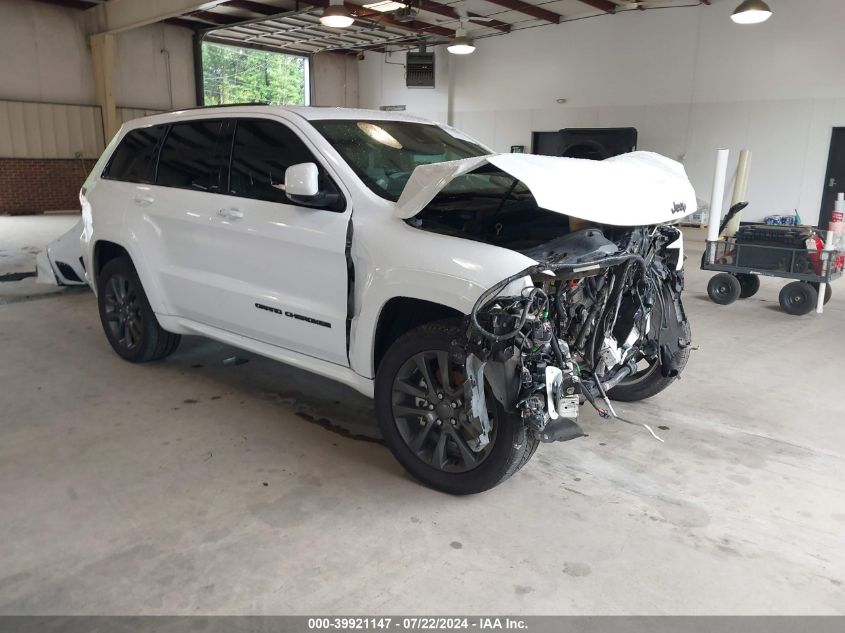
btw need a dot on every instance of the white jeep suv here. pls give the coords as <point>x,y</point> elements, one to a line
<point>479,298</point>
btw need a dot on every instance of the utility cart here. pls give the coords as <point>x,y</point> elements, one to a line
<point>740,264</point>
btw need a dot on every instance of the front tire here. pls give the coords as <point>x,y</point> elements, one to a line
<point>798,298</point>
<point>724,289</point>
<point>128,320</point>
<point>649,380</point>
<point>417,385</point>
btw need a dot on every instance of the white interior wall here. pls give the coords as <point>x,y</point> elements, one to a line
<point>381,81</point>
<point>141,68</point>
<point>335,80</point>
<point>44,57</point>
<point>688,79</point>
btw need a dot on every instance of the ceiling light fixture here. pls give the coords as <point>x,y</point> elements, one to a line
<point>336,15</point>
<point>751,12</point>
<point>461,44</point>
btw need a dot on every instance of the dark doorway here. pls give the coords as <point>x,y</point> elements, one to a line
<point>834,181</point>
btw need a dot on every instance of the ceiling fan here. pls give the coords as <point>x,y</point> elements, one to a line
<point>410,9</point>
<point>465,16</point>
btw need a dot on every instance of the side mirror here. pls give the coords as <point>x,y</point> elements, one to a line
<point>302,186</point>
<point>302,182</point>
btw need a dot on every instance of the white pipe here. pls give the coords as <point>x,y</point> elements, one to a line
<point>828,246</point>
<point>740,193</point>
<point>718,193</point>
<point>820,302</point>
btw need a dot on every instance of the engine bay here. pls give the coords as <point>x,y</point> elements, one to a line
<point>490,206</point>
<point>605,306</point>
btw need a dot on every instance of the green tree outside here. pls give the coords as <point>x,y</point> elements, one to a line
<point>241,75</point>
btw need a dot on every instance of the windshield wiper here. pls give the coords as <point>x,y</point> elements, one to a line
<point>507,195</point>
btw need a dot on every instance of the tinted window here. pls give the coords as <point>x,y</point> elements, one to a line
<point>194,156</point>
<point>135,157</point>
<point>262,151</point>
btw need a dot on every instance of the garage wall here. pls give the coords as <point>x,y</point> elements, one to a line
<point>335,80</point>
<point>32,186</point>
<point>48,130</point>
<point>688,78</point>
<point>149,78</point>
<point>44,57</point>
<point>381,81</point>
<point>48,120</point>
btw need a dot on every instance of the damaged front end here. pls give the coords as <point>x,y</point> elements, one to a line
<point>599,314</point>
<point>599,308</point>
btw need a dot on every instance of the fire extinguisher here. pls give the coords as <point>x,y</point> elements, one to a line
<point>815,245</point>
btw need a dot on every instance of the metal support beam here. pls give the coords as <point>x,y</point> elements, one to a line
<point>199,83</point>
<point>102,54</point>
<point>602,5</point>
<point>115,16</point>
<point>221,19</point>
<point>530,9</point>
<point>251,5</point>
<point>423,28</point>
<point>375,16</point>
<point>449,12</point>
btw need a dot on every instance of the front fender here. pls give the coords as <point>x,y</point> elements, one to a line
<point>392,259</point>
<point>447,290</point>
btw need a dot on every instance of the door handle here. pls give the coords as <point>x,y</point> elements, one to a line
<point>832,182</point>
<point>144,201</point>
<point>230,214</point>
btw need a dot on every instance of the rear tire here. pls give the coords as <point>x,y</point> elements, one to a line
<point>748,284</point>
<point>724,289</point>
<point>127,318</point>
<point>828,291</point>
<point>798,298</point>
<point>414,371</point>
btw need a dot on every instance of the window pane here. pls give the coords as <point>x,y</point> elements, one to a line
<point>192,156</point>
<point>263,151</point>
<point>384,153</point>
<point>134,158</point>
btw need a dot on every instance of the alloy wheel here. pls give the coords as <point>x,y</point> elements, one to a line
<point>123,312</point>
<point>431,415</point>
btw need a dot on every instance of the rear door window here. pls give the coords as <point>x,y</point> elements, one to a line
<point>195,156</point>
<point>261,152</point>
<point>134,159</point>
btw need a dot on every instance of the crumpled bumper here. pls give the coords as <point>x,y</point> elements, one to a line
<point>60,264</point>
<point>45,270</point>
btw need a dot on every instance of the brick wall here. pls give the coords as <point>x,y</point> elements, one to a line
<point>30,185</point>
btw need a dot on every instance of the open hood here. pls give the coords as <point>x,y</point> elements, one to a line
<point>633,189</point>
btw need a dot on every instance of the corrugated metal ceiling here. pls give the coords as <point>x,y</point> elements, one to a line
<point>293,26</point>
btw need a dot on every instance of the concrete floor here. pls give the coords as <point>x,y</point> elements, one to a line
<point>196,486</point>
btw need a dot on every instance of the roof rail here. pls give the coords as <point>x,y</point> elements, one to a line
<point>222,105</point>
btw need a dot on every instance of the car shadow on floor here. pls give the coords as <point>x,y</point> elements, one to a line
<point>238,374</point>
<point>334,406</point>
